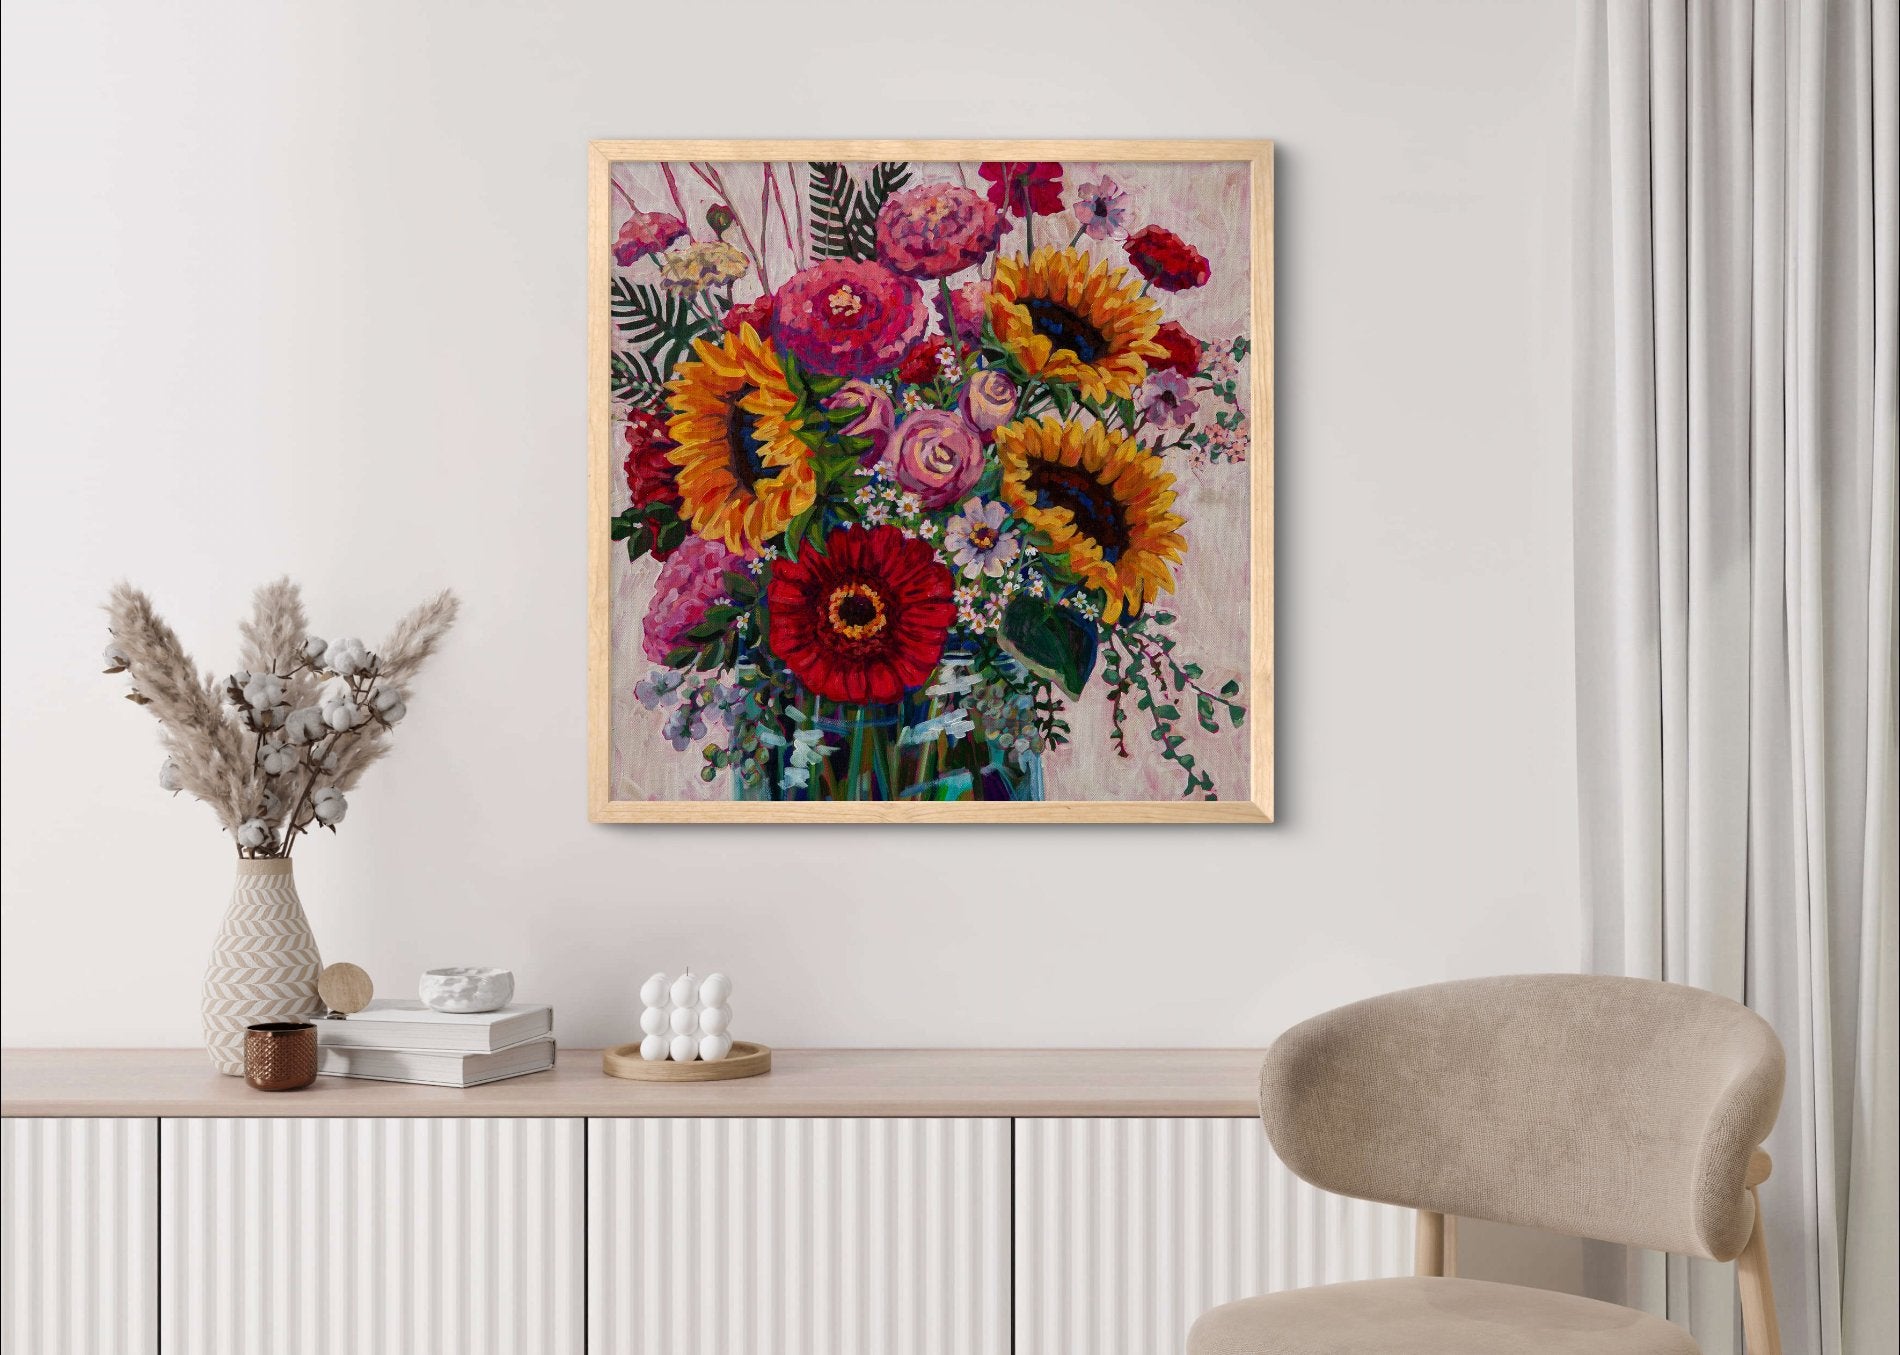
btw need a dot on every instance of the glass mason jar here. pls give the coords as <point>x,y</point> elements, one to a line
<point>877,752</point>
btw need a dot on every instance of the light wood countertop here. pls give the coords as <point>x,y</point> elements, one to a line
<point>803,1082</point>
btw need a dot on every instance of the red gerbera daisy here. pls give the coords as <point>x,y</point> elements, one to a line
<point>865,621</point>
<point>1166,260</point>
<point>1024,186</point>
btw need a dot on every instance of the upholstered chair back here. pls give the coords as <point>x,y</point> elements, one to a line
<point>1618,1109</point>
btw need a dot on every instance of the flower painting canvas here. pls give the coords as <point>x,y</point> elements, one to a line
<point>931,481</point>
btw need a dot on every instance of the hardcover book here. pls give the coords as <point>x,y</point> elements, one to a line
<point>438,1068</point>
<point>389,1023</point>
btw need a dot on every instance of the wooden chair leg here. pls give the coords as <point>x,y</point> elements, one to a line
<point>1429,1253</point>
<point>1760,1328</point>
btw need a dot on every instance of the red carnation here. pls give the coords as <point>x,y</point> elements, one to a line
<point>920,365</point>
<point>651,477</point>
<point>1024,186</point>
<point>1184,351</point>
<point>1166,260</point>
<point>866,620</point>
<point>758,314</point>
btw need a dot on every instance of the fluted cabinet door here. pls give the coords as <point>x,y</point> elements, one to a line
<point>798,1236</point>
<point>1129,1229</point>
<point>372,1236</point>
<point>78,1236</point>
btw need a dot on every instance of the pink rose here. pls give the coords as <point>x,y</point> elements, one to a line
<point>691,580</point>
<point>937,456</point>
<point>877,419</point>
<point>988,399</point>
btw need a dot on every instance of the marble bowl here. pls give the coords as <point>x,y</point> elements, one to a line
<point>466,988</point>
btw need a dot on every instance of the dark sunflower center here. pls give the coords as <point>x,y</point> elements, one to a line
<point>1063,328</point>
<point>855,611</point>
<point>744,447</point>
<point>1096,513</point>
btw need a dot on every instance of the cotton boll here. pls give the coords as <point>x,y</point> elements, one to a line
<point>264,689</point>
<point>653,991</point>
<point>684,1049</point>
<point>653,1021</point>
<point>714,1020</point>
<point>305,725</point>
<point>116,659</point>
<point>388,703</point>
<point>684,988</point>
<point>713,1048</point>
<point>329,806</point>
<point>313,648</point>
<point>346,657</point>
<point>168,776</point>
<point>252,834</point>
<point>685,1020</point>
<point>715,989</point>
<point>655,1048</point>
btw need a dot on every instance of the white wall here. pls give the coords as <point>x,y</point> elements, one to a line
<point>300,288</point>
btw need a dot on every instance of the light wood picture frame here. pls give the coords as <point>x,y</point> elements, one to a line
<point>672,254</point>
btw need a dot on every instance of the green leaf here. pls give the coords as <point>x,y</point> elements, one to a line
<point>1231,687</point>
<point>795,532</point>
<point>1050,641</point>
<point>661,327</point>
<point>636,381</point>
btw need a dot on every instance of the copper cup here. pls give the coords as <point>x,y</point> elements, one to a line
<point>280,1056</point>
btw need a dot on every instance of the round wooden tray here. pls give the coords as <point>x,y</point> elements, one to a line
<point>745,1060</point>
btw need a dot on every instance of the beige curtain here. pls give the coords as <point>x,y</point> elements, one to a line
<point>1737,233</point>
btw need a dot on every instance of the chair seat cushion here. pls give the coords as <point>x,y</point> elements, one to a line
<point>1423,1315</point>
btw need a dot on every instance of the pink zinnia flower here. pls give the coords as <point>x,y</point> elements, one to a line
<point>846,318</point>
<point>691,580</point>
<point>936,230</point>
<point>1102,208</point>
<point>646,233</point>
<point>969,307</point>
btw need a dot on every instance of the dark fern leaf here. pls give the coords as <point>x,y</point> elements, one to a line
<point>834,203</point>
<point>636,381</point>
<point>886,178</point>
<point>661,327</point>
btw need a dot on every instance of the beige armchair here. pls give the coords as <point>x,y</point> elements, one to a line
<point>1617,1109</point>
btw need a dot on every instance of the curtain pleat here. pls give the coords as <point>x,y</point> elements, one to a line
<point>1735,550</point>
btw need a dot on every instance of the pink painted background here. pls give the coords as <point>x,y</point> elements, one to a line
<point>1207,203</point>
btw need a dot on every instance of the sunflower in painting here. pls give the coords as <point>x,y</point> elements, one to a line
<point>1100,498</point>
<point>743,472</point>
<point>1067,318</point>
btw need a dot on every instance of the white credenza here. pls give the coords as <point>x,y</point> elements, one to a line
<point>655,1234</point>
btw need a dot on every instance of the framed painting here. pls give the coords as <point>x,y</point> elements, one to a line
<point>930,481</point>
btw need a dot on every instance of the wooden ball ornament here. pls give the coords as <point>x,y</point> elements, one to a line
<point>344,988</point>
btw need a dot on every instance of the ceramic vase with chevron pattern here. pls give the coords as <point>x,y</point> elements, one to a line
<point>264,967</point>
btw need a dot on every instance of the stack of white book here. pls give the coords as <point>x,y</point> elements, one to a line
<point>392,1041</point>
